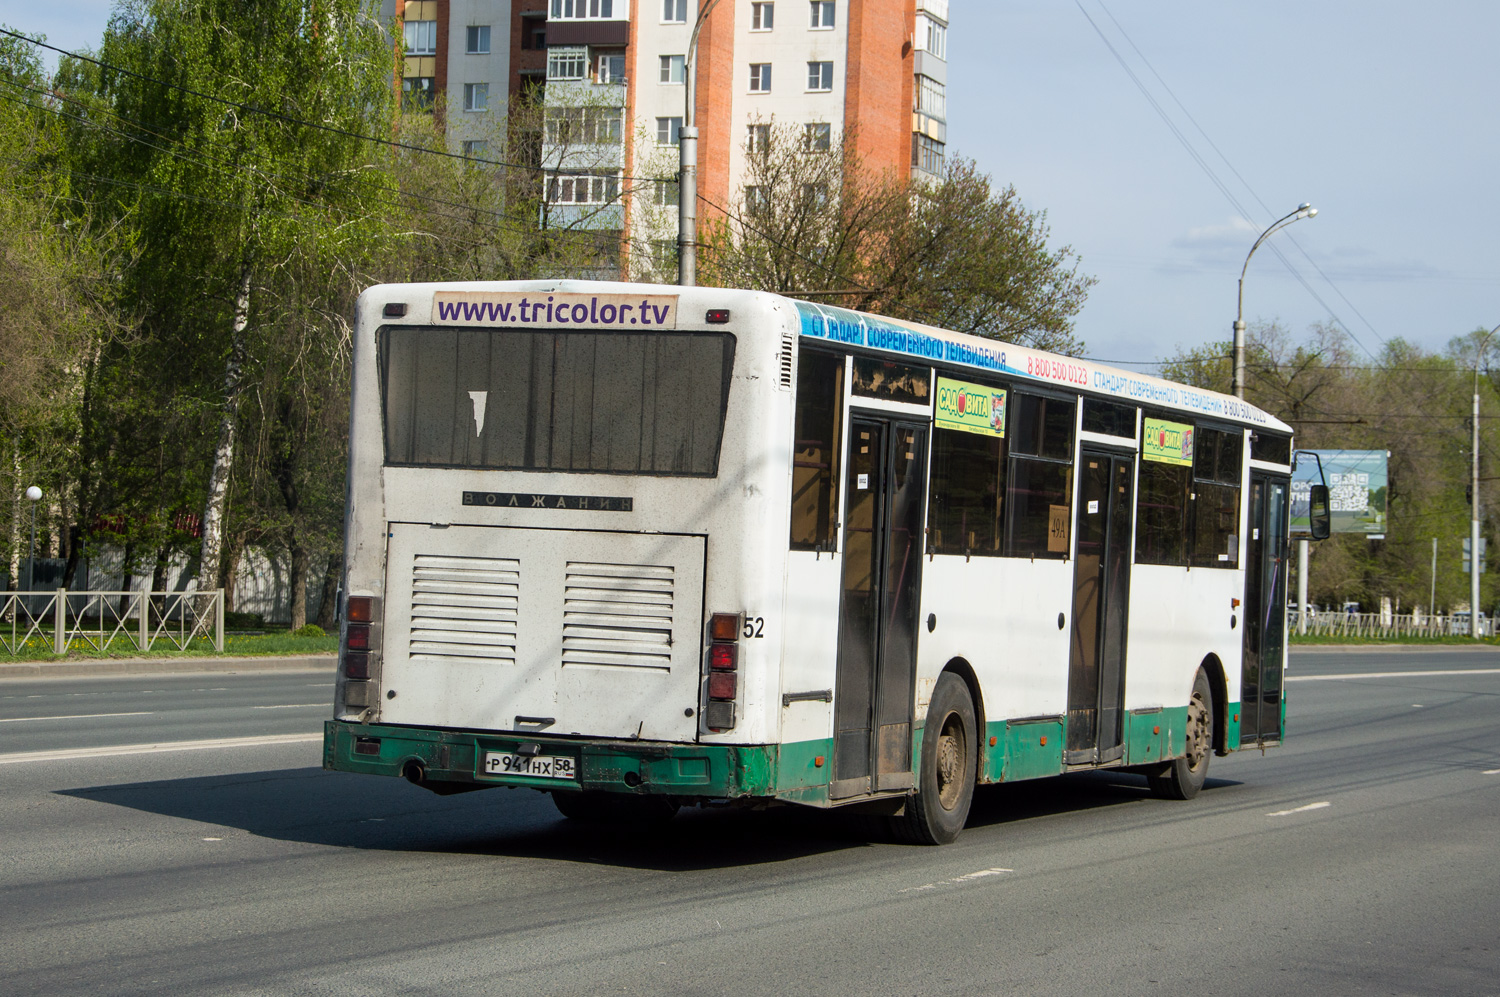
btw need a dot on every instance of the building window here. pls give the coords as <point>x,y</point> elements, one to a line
<point>418,93</point>
<point>760,77</point>
<point>668,194</point>
<point>820,76</point>
<point>932,37</point>
<point>668,131</point>
<point>664,256</point>
<point>762,16</point>
<point>821,15</point>
<point>567,64</point>
<point>611,67</point>
<point>587,189</point>
<point>583,125</point>
<point>815,196</point>
<point>758,138</point>
<point>932,97</point>
<point>674,11</point>
<point>672,68</point>
<point>478,39</point>
<point>927,154</point>
<point>476,149</point>
<point>583,9</point>
<point>757,201</point>
<point>817,137</point>
<point>476,96</point>
<point>421,37</point>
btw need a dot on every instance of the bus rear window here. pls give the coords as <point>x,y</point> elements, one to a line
<point>543,400</point>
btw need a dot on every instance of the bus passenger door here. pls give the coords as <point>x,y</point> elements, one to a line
<point>877,657</point>
<point>1265,611</point>
<point>1101,585</point>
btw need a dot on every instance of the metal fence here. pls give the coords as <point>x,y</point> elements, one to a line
<point>1381,625</point>
<point>102,621</point>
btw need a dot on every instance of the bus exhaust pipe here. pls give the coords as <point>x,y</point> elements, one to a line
<point>415,772</point>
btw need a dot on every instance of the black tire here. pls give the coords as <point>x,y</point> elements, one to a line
<point>614,808</point>
<point>950,755</point>
<point>1181,778</point>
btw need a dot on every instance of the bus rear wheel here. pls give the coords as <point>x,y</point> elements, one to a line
<point>1181,778</point>
<point>945,785</point>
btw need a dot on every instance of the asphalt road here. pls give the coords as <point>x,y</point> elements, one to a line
<point>1363,857</point>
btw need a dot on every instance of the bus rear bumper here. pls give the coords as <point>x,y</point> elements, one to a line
<point>448,761</point>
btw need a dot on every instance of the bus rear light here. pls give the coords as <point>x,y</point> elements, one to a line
<point>717,316</point>
<point>721,685</point>
<point>719,717</point>
<point>359,609</point>
<point>357,637</point>
<point>724,628</point>
<point>367,745</point>
<point>357,666</point>
<point>722,657</point>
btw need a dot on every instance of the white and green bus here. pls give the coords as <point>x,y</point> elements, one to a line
<point>644,547</point>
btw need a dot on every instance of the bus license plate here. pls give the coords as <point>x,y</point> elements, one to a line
<point>536,766</point>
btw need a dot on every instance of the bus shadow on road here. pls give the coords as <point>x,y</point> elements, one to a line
<point>1078,792</point>
<point>311,806</point>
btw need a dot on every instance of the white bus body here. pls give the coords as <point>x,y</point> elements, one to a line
<point>574,508</point>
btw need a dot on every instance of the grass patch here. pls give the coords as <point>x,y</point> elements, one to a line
<point>274,644</point>
<point>1334,639</point>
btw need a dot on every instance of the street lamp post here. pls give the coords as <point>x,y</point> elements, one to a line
<point>1474,496</point>
<point>34,494</point>
<point>687,152</point>
<point>1303,211</point>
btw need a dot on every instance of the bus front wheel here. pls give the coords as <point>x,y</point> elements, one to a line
<point>945,784</point>
<point>1181,778</point>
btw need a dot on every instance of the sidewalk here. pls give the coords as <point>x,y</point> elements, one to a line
<point>91,667</point>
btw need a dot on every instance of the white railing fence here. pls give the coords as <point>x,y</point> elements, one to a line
<point>102,621</point>
<point>1381,625</point>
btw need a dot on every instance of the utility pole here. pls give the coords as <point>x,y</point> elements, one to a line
<point>687,162</point>
<point>1474,496</point>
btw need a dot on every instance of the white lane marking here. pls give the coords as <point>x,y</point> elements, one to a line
<point>1391,675</point>
<point>74,716</point>
<point>213,839</point>
<point>967,877</point>
<point>292,706</point>
<point>1298,810</point>
<point>1492,772</point>
<point>151,749</point>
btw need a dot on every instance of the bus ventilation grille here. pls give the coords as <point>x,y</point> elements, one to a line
<point>787,342</point>
<point>464,609</point>
<point>617,615</point>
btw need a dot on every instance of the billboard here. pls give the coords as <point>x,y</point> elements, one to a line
<point>1356,490</point>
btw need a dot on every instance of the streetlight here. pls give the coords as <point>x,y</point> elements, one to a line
<point>1474,497</point>
<point>687,153</point>
<point>1303,211</point>
<point>34,493</point>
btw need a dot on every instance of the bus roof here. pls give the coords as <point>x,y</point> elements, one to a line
<point>878,333</point>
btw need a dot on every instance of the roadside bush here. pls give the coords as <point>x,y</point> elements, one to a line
<point>311,630</point>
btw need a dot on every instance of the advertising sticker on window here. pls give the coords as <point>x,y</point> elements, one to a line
<point>970,408</point>
<point>1168,442</point>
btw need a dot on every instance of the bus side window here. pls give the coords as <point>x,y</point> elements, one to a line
<point>1216,498</point>
<point>1161,513</point>
<point>968,492</point>
<point>1040,489</point>
<point>815,453</point>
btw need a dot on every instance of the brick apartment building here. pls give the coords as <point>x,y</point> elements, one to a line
<point>610,73</point>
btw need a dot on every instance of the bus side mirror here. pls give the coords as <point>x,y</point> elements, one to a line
<point>1319,520</point>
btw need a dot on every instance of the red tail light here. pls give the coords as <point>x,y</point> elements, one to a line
<point>357,666</point>
<point>723,657</point>
<point>357,637</point>
<point>721,685</point>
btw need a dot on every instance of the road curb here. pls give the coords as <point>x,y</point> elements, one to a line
<point>1388,648</point>
<point>92,667</point>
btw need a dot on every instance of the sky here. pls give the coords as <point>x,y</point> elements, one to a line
<point>1162,136</point>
